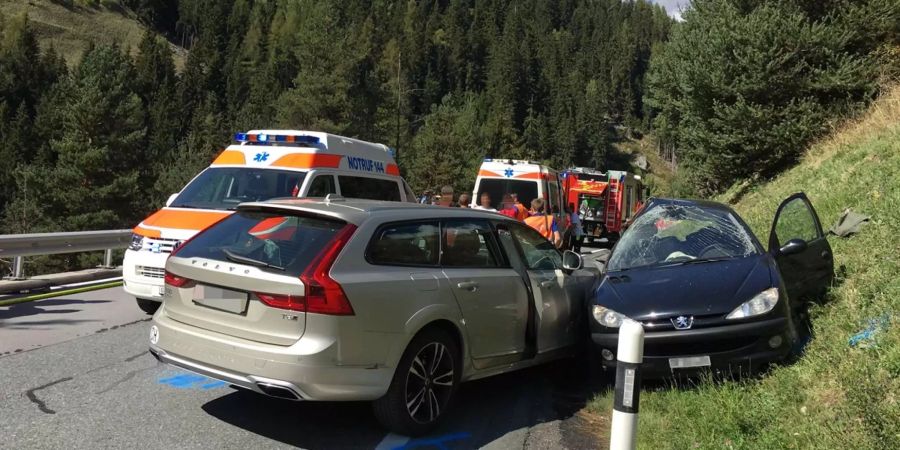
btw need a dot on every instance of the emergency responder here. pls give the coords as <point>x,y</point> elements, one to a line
<point>521,210</point>
<point>542,222</point>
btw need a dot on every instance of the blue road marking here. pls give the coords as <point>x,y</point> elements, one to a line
<point>213,385</point>
<point>192,381</point>
<point>437,442</point>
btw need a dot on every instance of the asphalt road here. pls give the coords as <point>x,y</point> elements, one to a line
<point>32,325</point>
<point>76,374</point>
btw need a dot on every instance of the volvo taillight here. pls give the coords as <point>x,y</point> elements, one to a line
<point>292,302</point>
<point>323,295</point>
<point>175,280</point>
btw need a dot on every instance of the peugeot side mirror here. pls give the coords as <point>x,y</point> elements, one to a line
<point>171,199</point>
<point>793,246</point>
<point>572,260</point>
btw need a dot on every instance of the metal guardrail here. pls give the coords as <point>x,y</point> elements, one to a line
<point>18,246</point>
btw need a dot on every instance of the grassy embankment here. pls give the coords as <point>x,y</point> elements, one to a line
<point>70,29</point>
<point>835,396</point>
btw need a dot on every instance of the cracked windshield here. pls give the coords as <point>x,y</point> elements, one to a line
<point>668,234</point>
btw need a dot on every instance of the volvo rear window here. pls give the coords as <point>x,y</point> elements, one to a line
<point>226,187</point>
<point>284,244</point>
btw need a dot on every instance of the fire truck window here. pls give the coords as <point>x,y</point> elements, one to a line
<point>629,200</point>
<point>369,188</point>
<point>321,186</point>
<point>554,197</point>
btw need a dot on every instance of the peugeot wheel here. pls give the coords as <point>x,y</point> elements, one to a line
<point>423,387</point>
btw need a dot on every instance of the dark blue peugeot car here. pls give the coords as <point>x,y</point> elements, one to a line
<point>707,293</point>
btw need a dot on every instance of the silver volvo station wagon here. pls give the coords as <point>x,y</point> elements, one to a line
<point>339,299</point>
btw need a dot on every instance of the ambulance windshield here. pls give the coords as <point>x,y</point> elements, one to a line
<point>495,187</point>
<point>226,187</point>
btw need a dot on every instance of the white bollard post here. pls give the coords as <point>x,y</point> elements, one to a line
<point>628,386</point>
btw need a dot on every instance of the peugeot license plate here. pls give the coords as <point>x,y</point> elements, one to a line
<point>220,298</point>
<point>688,362</point>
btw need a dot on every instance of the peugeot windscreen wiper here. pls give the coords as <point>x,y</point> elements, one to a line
<point>703,260</point>
<point>232,256</point>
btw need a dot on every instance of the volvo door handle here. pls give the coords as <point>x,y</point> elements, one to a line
<point>548,283</point>
<point>468,285</point>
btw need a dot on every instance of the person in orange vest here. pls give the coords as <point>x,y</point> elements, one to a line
<point>542,222</point>
<point>521,211</point>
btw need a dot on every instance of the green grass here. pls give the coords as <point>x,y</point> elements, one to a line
<point>69,30</point>
<point>835,396</point>
<point>659,177</point>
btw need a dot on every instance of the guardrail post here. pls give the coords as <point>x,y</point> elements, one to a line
<point>629,356</point>
<point>18,268</point>
<point>107,258</point>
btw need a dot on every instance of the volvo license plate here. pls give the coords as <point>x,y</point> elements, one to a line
<point>220,298</point>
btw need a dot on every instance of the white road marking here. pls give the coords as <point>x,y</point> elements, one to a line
<point>392,441</point>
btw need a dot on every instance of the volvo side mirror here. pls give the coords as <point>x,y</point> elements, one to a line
<point>572,260</point>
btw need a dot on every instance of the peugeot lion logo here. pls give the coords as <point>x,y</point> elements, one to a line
<point>683,322</point>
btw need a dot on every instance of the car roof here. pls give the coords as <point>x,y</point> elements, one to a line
<point>356,211</point>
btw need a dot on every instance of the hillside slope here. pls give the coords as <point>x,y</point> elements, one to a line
<point>835,396</point>
<point>70,29</point>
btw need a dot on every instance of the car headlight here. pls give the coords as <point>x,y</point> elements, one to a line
<point>607,317</point>
<point>137,242</point>
<point>762,303</point>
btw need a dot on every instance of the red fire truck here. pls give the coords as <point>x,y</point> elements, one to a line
<point>605,201</point>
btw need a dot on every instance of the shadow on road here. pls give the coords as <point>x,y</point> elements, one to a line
<point>301,424</point>
<point>503,409</point>
<point>40,307</point>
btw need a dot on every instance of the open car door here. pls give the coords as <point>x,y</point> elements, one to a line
<point>800,248</point>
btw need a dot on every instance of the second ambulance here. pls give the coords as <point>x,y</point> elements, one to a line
<point>262,164</point>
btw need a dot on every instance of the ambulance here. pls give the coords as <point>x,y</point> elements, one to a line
<point>260,165</point>
<point>527,179</point>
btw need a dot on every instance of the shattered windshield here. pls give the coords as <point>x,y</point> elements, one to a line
<point>681,234</point>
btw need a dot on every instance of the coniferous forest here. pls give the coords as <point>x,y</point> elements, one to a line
<point>738,88</point>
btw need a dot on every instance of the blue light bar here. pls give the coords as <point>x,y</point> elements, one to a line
<point>263,138</point>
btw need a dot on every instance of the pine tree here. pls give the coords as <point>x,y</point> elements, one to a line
<point>25,76</point>
<point>95,183</point>
<point>743,87</point>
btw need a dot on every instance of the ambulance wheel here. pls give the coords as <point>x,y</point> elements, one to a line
<point>148,306</point>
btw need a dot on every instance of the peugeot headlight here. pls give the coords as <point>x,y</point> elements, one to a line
<point>137,242</point>
<point>762,303</point>
<point>607,317</point>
